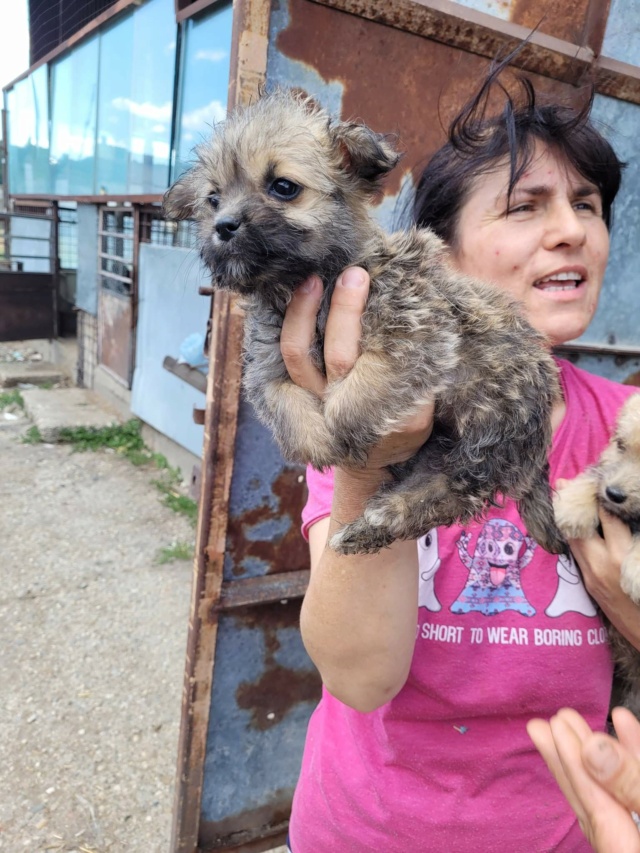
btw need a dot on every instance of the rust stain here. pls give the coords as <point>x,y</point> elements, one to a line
<point>279,688</point>
<point>288,552</point>
<point>565,20</point>
<point>428,84</point>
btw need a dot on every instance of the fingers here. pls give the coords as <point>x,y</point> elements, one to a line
<point>604,819</point>
<point>298,334</point>
<point>342,335</point>
<point>615,768</point>
<point>542,735</point>
<point>616,534</point>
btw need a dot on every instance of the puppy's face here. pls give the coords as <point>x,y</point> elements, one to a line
<point>619,467</point>
<point>280,192</point>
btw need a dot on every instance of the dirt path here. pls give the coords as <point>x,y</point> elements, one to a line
<point>92,633</point>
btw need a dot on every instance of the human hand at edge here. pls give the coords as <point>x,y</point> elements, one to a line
<point>599,776</point>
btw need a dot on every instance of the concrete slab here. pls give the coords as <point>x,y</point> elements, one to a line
<point>66,408</point>
<point>13,373</point>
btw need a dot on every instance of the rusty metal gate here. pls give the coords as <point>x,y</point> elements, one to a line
<point>403,66</point>
<point>117,256</point>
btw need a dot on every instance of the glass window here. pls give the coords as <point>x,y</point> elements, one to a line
<point>204,79</point>
<point>137,68</point>
<point>74,93</point>
<point>28,134</point>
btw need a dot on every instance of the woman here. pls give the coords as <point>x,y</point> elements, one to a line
<point>420,741</point>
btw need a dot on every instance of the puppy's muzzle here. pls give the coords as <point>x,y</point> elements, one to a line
<point>227,227</point>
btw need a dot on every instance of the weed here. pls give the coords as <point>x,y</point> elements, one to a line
<point>125,439</point>
<point>177,551</point>
<point>173,499</point>
<point>11,398</point>
<point>32,436</point>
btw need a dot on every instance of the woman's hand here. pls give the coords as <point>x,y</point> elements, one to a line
<point>599,776</point>
<point>600,558</point>
<point>341,350</point>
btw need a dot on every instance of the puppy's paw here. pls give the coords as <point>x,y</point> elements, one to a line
<point>360,538</point>
<point>576,509</point>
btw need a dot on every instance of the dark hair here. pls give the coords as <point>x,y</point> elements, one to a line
<point>476,144</point>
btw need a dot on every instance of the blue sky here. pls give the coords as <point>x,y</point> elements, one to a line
<point>14,40</point>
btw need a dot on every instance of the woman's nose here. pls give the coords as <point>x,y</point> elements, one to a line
<point>564,226</point>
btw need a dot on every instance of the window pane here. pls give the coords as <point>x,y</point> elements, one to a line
<point>204,81</point>
<point>74,90</point>
<point>28,134</point>
<point>137,68</point>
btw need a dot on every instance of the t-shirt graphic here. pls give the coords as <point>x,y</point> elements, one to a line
<point>571,594</point>
<point>429,561</point>
<point>502,552</point>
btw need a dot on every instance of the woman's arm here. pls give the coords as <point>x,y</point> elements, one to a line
<point>359,615</point>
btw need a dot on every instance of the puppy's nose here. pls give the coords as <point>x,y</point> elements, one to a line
<point>617,496</point>
<point>227,227</point>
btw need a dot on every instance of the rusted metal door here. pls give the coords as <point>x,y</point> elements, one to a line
<point>403,66</point>
<point>117,253</point>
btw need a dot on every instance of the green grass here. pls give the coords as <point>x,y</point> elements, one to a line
<point>32,436</point>
<point>11,398</point>
<point>126,439</point>
<point>177,551</point>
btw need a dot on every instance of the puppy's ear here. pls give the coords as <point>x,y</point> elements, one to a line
<point>179,199</point>
<point>366,154</point>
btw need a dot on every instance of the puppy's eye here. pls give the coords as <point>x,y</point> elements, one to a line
<point>284,189</point>
<point>620,445</point>
<point>214,200</point>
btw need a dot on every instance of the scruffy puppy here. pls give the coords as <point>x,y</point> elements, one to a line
<point>282,191</point>
<point>613,483</point>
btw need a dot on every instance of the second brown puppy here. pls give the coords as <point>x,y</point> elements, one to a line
<point>281,191</point>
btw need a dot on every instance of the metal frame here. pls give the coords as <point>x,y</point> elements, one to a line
<point>247,73</point>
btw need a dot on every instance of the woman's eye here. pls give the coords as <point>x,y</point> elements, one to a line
<point>214,200</point>
<point>284,189</point>
<point>520,208</point>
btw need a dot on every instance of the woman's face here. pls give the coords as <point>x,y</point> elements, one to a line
<point>548,247</point>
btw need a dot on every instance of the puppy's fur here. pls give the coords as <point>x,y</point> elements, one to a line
<point>282,191</point>
<point>613,483</point>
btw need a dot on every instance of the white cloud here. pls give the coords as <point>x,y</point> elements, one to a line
<point>202,117</point>
<point>212,55</point>
<point>155,112</point>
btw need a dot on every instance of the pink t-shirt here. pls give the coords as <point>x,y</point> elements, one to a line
<point>506,632</point>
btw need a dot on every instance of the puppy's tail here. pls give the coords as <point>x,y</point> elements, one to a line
<point>536,509</point>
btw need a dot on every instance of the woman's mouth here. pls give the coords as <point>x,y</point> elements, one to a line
<point>560,282</point>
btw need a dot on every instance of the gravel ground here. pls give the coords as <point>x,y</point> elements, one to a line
<point>93,633</point>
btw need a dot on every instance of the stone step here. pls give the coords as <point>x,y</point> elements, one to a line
<point>13,373</point>
<point>66,408</point>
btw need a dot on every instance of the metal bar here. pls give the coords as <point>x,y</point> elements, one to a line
<point>262,590</point>
<point>154,198</point>
<point>600,349</point>
<point>249,40</point>
<point>191,375</point>
<point>118,258</point>
<point>120,234</point>
<point>595,24</point>
<point>195,7</point>
<point>116,277</point>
